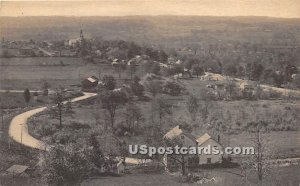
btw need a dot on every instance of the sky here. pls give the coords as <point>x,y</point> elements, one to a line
<point>271,8</point>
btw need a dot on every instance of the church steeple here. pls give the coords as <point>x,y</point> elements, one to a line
<point>81,35</point>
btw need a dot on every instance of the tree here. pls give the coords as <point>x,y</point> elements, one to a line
<point>178,159</point>
<point>6,53</point>
<point>162,108</point>
<point>231,88</point>
<point>133,116</point>
<point>198,70</point>
<point>231,70</point>
<point>45,88</point>
<point>109,82</point>
<point>192,105</point>
<point>278,79</point>
<point>65,165</point>
<point>257,70</point>
<point>59,98</point>
<point>151,67</point>
<point>259,160</point>
<point>153,87</point>
<point>163,57</point>
<point>110,101</point>
<point>119,68</point>
<point>95,155</point>
<point>136,87</point>
<point>172,88</point>
<point>27,95</point>
<point>132,69</point>
<point>178,69</point>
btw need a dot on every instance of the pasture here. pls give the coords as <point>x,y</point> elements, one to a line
<point>32,72</point>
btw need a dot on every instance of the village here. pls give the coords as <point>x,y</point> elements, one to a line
<point>71,107</point>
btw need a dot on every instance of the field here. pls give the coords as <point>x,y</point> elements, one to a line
<point>88,117</point>
<point>280,114</point>
<point>21,73</point>
<point>287,176</point>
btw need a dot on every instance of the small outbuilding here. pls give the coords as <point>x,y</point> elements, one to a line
<point>17,170</point>
<point>89,84</point>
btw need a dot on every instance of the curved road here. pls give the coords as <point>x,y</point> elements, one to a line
<point>18,129</point>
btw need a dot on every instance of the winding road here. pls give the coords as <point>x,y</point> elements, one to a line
<point>18,129</point>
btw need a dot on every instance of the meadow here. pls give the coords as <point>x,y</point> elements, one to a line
<point>32,72</point>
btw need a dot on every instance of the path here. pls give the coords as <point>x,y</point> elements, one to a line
<point>283,91</point>
<point>18,129</point>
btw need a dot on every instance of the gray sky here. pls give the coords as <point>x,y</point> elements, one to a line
<point>272,8</point>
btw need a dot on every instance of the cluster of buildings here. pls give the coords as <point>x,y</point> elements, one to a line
<point>189,140</point>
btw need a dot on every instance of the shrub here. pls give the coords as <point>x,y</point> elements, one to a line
<point>172,88</point>
<point>65,165</point>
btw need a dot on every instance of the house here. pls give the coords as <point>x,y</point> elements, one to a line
<point>89,84</point>
<point>115,62</point>
<point>187,139</point>
<point>205,141</point>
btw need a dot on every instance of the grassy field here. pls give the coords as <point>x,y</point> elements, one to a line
<point>32,73</point>
<point>287,176</point>
<point>21,73</point>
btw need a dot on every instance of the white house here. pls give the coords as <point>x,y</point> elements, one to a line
<point>205,141</point>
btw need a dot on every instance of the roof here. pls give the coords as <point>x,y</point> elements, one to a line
<point>17,169</point>
<point>173,133</point>
<point>203,138</point>
<point>176,131</point>
<point>92,79</point>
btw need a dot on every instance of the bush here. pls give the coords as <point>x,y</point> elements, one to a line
<point>172,88</point>
<point>65,165</point>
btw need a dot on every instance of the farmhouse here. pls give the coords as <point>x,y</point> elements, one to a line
<point>205,141</point>
<point>90,83</point>
<point>188,140</point>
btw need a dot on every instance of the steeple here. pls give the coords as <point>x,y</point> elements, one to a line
<point>81,35</point>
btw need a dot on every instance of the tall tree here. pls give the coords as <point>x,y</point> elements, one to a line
<point>153,87</point>
<point>27,95</point>
<point>133,116</point>
<point>59,98</point>
<point>109,82</point>
<point>110,101</point>
<point>136,87</point>
<point>162,108</point>
<point>192,105</point>
<point>119,68</point>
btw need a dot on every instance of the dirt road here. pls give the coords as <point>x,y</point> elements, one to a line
<point>18,129</point>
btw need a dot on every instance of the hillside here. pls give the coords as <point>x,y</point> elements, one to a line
<point>166,30</point>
